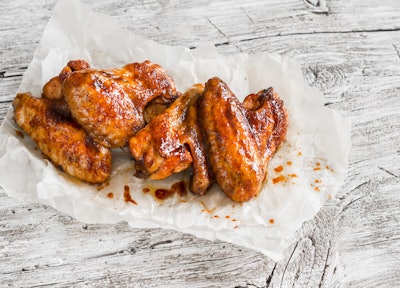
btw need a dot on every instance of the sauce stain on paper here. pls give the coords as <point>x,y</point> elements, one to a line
<point>127,195</point>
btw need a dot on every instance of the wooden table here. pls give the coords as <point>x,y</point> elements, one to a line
<point>350,50</point>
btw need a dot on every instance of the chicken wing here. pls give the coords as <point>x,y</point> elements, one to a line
<point>240,138</point>
<point>171,142</point>
<point>109,104</point>
<point>62,140</point>
<point>85,112</point>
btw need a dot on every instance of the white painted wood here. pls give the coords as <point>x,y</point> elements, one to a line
<point>348,49</point>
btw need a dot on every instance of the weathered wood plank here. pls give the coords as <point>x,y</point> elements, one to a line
<point>350,51</point>
<point>191,23</point>
<point>72,254</point>
<point>224,21</point>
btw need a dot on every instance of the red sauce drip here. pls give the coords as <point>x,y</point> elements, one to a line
<point>127,195</point>
<point>271,221</point>
<point>178,187</point>
<point>280,178</point>
<point>145,190</point>
<point>327,167</point>
<point>110,195</point>
<point>19,134</point>
<point>289,163</point>
<point>163,194</point>
<point>278,169</point>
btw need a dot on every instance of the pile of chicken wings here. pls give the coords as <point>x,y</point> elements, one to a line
<point>84,113</point>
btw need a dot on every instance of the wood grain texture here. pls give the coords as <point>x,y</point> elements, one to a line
<point>347,49</point>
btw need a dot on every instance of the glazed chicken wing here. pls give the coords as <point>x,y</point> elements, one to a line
<point>240,138</point>
<point>109,104</point>
<point>62,140</point>
<point>171,142</point>
<point>85,112</point>
<point>220,136</point>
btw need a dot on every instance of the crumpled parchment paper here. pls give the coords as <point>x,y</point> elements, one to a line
<point>313,160</point>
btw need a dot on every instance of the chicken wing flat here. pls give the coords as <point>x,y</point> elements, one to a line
<point>63,141</point>
<point>109,104</point>
<point>240,138</point>
<point>171,142</point>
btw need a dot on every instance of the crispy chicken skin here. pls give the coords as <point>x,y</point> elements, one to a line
<point>171,142</point>
<point>268,120</point>
<point>240,138</point>
<point>62,140</point>
<point>85,112</point>
<point>220,137</point>
<point>109,104</point>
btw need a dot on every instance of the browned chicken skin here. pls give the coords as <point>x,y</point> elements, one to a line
<point>62,140</point>
<point>109,104</point>
<point>240,138</point>
<point>220,136</point>
<point>171,142</point>
<point>85,112</point>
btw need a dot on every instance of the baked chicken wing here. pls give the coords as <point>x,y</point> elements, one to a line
<point>109,104</point>
<point>172,142</point>
<point>64,142</point>
<point>208,128</point>
<point>85,112</point>
<point>240,138</point>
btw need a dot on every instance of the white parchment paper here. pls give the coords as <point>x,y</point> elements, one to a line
<point>313,160</point>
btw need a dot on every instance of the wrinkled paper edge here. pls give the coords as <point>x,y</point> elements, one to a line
<point>46,63</point>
